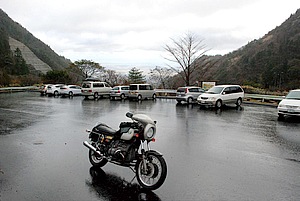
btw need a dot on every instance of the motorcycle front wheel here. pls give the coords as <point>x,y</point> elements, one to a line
<point>154,174</point>
<point>96,159</point>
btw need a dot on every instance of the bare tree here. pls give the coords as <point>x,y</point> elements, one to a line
<point>185,51</point>
<point>114,78</point>
<point>89,68</point>
<point>160,76</point>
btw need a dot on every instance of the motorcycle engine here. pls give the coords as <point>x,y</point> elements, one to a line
<point>122,151</point>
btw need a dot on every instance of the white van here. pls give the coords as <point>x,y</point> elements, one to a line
<point>95,88</point>
<point>222,94</point>
<point>141,91</point>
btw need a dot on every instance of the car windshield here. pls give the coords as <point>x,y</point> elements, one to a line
<point>215,90</point>
<point>293,95</point>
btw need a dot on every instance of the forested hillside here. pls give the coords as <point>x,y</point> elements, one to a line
<point>272,61</point>
<point>12,62</point>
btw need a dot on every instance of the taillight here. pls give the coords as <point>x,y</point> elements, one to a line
<point>119,91</point>
<point>186,90</point>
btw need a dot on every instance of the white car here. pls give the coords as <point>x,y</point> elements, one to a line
<point>220,95</point>
<point>70,90</point>
<point>53,89</point>
<point>43,89</point>
<point>290,105</point>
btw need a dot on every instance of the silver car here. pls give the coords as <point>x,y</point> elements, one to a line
<point>119,92</point>
<point>188,94</point>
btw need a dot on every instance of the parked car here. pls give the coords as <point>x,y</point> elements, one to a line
<point>188,94</point>
<point>222,94</point>
<point>141,91</point>
<point>95,88</point>
<point>53,89</point>
<point>43,89</point>
<point>119,92</point>
<point>290,105</point>
<point>70,90</point>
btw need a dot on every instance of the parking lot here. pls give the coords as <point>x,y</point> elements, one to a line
<point>229,154</point>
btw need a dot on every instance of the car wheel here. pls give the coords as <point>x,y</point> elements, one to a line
<point>71,94</point>
<point>238,102</point>
<point>219,104</point>
<point>122,96</point>
<point>190,100</point>
<point>96,95</point>
<point>280,117</point>
<point>154,96</point>
<point>56,93</point>
<point>139,97</point>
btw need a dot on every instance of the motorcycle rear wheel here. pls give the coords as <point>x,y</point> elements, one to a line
<point>155,173</point>
<point>96,159</point>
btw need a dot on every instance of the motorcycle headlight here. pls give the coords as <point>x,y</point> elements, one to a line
<point>149,132</point>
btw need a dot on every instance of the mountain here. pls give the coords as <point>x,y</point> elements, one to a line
<point>272,61</point>
<point>39,56</point>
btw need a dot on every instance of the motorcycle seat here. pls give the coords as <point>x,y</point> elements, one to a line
<point>104,129</point>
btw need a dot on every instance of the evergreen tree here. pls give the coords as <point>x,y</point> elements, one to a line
<point>136,76</point>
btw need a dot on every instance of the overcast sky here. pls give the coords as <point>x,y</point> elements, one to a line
<point>120,34</point>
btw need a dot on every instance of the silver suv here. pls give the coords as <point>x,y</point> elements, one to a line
<point>222,94</point>
<point>188,94</point>
<point>95,89</point>
<point>141,91</point>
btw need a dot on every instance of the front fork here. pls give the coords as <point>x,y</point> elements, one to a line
<point>143,144</point>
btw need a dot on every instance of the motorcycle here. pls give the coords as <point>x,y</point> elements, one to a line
<point>129,147</point>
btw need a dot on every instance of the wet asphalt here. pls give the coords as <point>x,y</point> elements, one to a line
<point>229,154</point>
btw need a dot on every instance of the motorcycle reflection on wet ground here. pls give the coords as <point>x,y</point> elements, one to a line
<point>111,187</point>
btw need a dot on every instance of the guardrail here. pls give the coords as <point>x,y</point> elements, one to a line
<point>18,89</point>
<point>263,99</point>
<point>165,93</point>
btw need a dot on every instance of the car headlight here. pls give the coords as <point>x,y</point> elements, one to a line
<point>149,131</point>
<point>281,105</point>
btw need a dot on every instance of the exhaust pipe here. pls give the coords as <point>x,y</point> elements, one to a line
<point>88,145</point>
